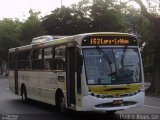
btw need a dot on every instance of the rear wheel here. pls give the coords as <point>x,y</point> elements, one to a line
<point>60,104</point>
<point>24,94</point>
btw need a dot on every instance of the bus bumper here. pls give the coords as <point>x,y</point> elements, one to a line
<point>92,103</point>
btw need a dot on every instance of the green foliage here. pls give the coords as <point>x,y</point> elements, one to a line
<point>31,28</point>
<point>9,36</point>
<point>84,17</point>
<point>66,21</point>
<point>14,33</point>
<point>105,17</point>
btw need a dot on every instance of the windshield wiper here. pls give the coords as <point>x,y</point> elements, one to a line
<point>123,56</point>
<point>105,55</point>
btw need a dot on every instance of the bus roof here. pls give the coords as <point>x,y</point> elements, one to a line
<point>64,39</point>
<point>106,33</point>
<point>45,38</point>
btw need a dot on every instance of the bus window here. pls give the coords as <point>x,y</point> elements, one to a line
<point>48,53</point>
<point>60,51</point>
<point>36,61</point>
<point>59,61</point>
<point>59,64</point>
<point>127,65</point>
<point>48,58</point>
<point>124,68</point>
<point>23,60</point>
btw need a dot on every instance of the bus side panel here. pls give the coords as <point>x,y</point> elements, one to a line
<point>31,81</point>
<point>42,86</point>
<point>11,81</point>
<point>49,84</point>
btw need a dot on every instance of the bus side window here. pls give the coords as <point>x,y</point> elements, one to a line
<point>36,59</point>
<point>59,58</point>
<point>48,58</point>
<point>28,64</point>
<point>23,60</point>
<point>60,51</point>
<point>59,64</point>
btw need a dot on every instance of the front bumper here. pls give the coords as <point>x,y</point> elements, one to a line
<point>92,103</point>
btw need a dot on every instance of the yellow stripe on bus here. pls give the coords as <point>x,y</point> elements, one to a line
<point>116,90</point>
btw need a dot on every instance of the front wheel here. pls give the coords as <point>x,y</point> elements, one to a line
<point>61,104</point>
<point>24,94</point>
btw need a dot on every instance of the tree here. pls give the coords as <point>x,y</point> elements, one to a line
<point>9,37</point>
<point>66,21</point>
<point>155,19</point>
<point>60,22</point>
<point>105,16</point>
<point>31,28</point>
<point>97,16</point>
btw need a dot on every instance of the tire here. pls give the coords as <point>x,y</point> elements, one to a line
<point>61,104</point>
<point>24,94</point>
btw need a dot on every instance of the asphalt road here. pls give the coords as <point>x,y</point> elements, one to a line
<point>12,108</point>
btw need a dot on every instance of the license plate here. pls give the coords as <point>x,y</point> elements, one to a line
<point>117,102</point>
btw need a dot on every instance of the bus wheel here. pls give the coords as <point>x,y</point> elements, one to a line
<point>24,94</point>
<point>61,105</point>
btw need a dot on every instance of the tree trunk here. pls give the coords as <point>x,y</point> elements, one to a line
<point>155,83</point>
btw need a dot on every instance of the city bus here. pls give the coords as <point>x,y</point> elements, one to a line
<point>100,71</point>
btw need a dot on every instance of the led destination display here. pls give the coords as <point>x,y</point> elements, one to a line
<point>109,40</point>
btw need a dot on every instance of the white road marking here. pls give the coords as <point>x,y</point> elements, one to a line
<point>152,106</point>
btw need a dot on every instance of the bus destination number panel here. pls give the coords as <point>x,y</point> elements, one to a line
<point>109,40</point>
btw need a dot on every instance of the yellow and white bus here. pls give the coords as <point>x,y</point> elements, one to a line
<point>87,72</point>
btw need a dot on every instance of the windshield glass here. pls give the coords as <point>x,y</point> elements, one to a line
<point>111,66</point>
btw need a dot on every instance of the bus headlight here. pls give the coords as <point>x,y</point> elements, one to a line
<point>92,94</point>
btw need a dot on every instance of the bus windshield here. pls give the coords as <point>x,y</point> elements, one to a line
<point>121,66</point>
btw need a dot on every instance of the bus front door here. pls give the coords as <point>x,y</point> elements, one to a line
<point>70,76</point>
<point>16,73</point>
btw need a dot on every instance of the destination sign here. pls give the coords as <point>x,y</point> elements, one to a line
<point>109,40</point>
